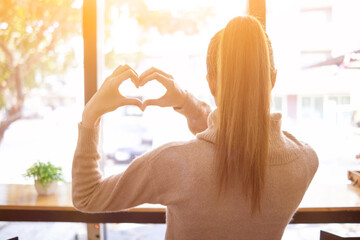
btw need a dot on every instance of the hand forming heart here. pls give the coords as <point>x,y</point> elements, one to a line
<point>174,96</point>
<point>108,98</point>
<point>151,90</point>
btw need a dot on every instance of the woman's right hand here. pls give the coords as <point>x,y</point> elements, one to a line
<point>108,98</point>
<point>174,96</point>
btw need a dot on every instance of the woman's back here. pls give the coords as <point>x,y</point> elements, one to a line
<point>184,178</point>
<point>180,175</point>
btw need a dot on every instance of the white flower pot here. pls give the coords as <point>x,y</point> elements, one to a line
<point>47,189</point>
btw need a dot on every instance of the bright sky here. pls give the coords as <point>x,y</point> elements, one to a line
<point>224,8</point>
<point>177,5</point>
<point>128,43</point>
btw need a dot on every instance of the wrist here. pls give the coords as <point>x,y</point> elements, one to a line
<point>90,119</point>
<point>182,101</point>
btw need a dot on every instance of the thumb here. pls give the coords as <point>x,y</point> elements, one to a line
<point>153,102</point>
<point>133,101</point>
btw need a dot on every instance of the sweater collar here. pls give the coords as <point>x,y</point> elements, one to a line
<point>210,133</point>
<point>280,150</point>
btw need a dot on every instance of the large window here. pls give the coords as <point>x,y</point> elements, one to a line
<point>316,48</point>
<point>41,84</point>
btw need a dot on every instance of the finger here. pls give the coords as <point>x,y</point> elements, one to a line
<point>132,101</point>
<point>129,73</point>
<point>152,70</point>
<point>154,102</point>
<point>120,69</point>
<point>124,68</point>
<point>135,81</point>
<point>117,69</point>
<point>155,76</point>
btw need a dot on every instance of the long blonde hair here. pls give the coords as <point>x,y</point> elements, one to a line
<point>243,99</point>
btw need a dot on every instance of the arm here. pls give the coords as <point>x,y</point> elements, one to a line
<point>91,192</point>
<point>195,111</point>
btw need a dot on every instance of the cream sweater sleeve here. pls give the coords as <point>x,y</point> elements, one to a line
<point>91,192</point>
<point>196,113</point>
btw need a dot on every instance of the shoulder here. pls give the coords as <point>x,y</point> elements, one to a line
<point>165,148</point>
<point>305,148</point>
<point>170,167</point>
<point>285,148</point>
<point>178,158</point>
<point>305,153</point>
<point>172,151</point>
<point>292,159</point>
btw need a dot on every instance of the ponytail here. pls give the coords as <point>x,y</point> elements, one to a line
<point>243,99</point>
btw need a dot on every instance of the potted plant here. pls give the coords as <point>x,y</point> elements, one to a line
<point>46,176</point>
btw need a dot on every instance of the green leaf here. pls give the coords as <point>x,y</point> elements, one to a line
<point>44,172</point>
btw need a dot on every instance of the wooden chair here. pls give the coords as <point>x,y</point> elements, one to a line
<point>328,236</point>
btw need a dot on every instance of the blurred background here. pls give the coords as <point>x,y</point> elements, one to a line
<point>316,49</point>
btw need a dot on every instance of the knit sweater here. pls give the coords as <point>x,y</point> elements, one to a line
<point>180,176</point>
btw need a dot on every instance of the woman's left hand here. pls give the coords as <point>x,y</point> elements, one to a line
<point>174,96</point>
<point>108,97</point>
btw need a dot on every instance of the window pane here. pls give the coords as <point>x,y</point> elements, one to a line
<point>319,106</point>
<point>41,84</point>
<point>335,100</point>
<point>345,100</point>
<point>172,36</point>
<point>277,104</point>
<point>306,102</point>
<point>306,107</point>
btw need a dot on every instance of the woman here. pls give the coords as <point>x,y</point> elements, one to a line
<point>241,178</point>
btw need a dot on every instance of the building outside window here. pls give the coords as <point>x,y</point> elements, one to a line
<point>315,50</point>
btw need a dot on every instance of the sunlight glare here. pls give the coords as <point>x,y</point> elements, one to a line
<point>174,6</point>
<point>77,4</point>
<point>151,90</point>
<point>4,26</point>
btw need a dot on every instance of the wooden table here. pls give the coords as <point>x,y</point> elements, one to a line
<point>22,203</point>
<point>331,203</point>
